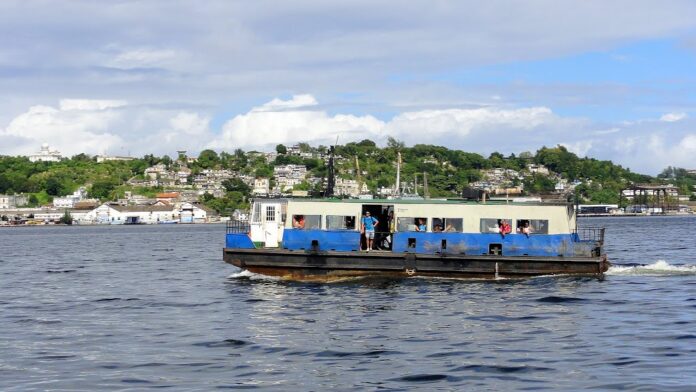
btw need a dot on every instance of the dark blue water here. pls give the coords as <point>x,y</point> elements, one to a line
<point>141,307</point>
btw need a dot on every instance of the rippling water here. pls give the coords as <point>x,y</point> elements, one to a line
<point>140,307</point>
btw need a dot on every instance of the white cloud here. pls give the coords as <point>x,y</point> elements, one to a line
<point>143,58</point>
<point>579,148</point>
<point>104,126</point>
<point>290,121</point>
<point>416,126</point>
<point>118,127</point>
<point>77,126</point>
<point>190,123</point>
<point>673,117</point>
<point>89,104</point>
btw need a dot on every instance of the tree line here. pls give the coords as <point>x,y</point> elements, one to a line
<point>449,171</point>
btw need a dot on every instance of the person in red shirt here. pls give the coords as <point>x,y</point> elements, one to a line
<point>504,227</point>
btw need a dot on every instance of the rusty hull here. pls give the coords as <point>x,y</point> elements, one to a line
<point>333,266</point>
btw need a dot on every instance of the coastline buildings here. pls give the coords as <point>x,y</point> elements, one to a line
<point>13,201</point>
<point>287,176</point>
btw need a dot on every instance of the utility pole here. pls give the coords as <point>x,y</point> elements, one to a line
<point>426,192</point>
<point>358,174</point>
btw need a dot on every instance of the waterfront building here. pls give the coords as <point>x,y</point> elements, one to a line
<point>13,201</point>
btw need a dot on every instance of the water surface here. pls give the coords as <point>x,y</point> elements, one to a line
<point>144,307</point>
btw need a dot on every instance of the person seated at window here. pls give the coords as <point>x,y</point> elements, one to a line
<point>437,228</point>
<point>298,222</point>
<point>450,228</point>
<point>525,229</point>
<point>504,227</point>
<point>421,225</point>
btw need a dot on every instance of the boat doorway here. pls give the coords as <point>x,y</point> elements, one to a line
<point>384,213</point>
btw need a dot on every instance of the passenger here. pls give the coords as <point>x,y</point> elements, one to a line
<point>298,222</point>
<point>421,225</point>
<point>437,228</point>
<point>526,228</point>
<point>450,228</point>
<point>368,228</point>
<point>504,227</point>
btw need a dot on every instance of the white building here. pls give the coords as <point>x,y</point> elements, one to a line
<point>349,188</point>
<point>538,169</point>
<point>45,155</point>
<point>13,201</point>
<point>104,158</point>
<point>261,186</point>
<point>69,201</point>
<point>193,213</point>
<point>118,215</point>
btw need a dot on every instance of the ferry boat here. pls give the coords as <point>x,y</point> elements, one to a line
<point>324,240</point>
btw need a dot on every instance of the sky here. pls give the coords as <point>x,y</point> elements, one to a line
<point>611,80</point>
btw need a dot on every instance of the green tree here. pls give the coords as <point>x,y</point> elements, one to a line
<point>236,185</point>
<point>208,159</point>
<point>281,149</point>
<point>66,219</point>
<point>101,189</point>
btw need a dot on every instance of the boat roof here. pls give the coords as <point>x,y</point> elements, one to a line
<point>416,201</point>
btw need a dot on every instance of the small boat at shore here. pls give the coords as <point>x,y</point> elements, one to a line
<point>325,240</point>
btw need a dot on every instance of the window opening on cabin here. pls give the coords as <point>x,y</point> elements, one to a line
<point>495,249</point>
<point>532,226</point>
<point>443,245</point>
<point>492,225</point>
<point>340,222</point>
<point>306,222</point>
<point>270,214</point>
<point>412,243</point>
<point>447,225</point>
<point>411,224</point>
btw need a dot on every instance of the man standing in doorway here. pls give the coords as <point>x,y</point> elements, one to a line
<point>368,227</point>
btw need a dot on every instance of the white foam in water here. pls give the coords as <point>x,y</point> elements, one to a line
<point>244,274</point>
<point>658,268</point>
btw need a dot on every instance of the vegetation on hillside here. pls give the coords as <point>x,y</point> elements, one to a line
<point>448,172</point>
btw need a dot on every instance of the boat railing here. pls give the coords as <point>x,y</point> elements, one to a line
<point>237,227</point>
<point>593,234</point>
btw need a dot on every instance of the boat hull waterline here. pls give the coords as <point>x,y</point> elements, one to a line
<point>328,266</point>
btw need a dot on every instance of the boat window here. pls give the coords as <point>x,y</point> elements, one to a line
<point>492,225</point>
<point>340,222</point>
<point>270,213</point>
<point>532,226</point>
<point>411,224</point>
<point>306,222</point>
<point>448,225</point>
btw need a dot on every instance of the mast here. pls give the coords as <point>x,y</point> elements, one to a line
<point>397,186</point>
<point>359,177</point>
<point>331,181</point>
